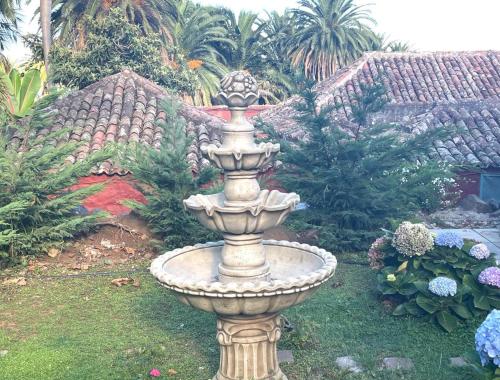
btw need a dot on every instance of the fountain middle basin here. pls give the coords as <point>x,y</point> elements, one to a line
<point>270,210</point>
<point>296,272</point>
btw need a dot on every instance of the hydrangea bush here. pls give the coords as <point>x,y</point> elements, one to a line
<point>488,339</point>
<point>445,277</point>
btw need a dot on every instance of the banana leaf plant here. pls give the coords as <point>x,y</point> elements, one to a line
<point>22,89</point>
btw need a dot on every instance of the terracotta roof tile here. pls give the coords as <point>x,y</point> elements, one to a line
<point>123,108</point>
<point>424,90</point>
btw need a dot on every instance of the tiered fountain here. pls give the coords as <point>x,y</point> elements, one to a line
<point>245,280</point>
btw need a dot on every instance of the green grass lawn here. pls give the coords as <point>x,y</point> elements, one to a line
<point>86,328</point>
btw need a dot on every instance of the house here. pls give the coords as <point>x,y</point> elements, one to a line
<point>123,108</point>
<point>425,90</point>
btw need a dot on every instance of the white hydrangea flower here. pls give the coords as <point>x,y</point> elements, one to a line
<point>412,239</point>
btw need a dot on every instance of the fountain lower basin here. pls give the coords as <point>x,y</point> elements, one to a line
<point>296,272</point>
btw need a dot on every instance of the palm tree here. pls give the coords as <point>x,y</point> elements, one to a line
<point>8,21</point>
<point>277,30</point>
<point>276,75</point>
<point>152,16</point>
<point>382,43</point>
<point>201,38</point>
<point>247,32</point>
<point>331,34</point>
<point>398,46</point>
<point>45,12</point>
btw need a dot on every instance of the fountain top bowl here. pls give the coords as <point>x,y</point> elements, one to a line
<point>192,273</point>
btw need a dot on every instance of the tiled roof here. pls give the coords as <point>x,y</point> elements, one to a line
<point>124,108</point>
<point>461,88</point>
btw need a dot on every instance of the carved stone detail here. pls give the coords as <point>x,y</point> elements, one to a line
<point>248,348</point>
<point>239,89</point>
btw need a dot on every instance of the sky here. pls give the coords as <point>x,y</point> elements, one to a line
<point>427,25</point>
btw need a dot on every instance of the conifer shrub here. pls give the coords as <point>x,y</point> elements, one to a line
<point>360,178</point>
<point>166,179</point>
<point>37,210</point>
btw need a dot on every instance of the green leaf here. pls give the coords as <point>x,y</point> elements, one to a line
<point>399,310</point>
<point>412,308</point>
<point>494,302</point>
<point>14,83</point>
<point>407,289</point>
<point>429,305</point>
<point>422,286</point>
<point>416,263</point>
<point>462,311</point>
<point>481,302</point>
<point>29,88</point>
<point>447,321</point>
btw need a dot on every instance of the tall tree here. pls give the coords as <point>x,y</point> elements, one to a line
<point>37,212</point>
<point>356,176</point>
<point>112,45</point>
<point>331,33</point>
<point>166,180</point>
<point>201,38</point>
<point>276,74</point>
<point>45,21</point>
<point>152,16</point>
<point>246,30</point>
<point>8,21</point>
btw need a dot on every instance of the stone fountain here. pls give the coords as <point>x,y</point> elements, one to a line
<point>246,280</point>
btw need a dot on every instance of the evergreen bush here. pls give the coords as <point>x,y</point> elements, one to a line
<point>37,210</point>
<point>356,180</point>
<point>166,179</point>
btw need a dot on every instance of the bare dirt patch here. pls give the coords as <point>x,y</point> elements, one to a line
<point>117,241</point>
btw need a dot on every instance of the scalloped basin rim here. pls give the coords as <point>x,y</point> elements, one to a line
<point>321,263</point>
<point>258,149</point>
<point>215,202</point>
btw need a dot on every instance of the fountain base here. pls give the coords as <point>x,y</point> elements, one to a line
<point>248,348</point>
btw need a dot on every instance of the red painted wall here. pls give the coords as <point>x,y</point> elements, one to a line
<point>468,183</point>
<point>223,111</point>
<point>116,190</point>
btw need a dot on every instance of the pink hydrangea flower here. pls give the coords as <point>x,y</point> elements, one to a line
<point>375,256</point>
<point>490,276</point>
<point>155,372</point>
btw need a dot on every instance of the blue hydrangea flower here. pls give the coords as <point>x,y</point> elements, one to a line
<point>449,239</point>
<point>488,339</point>
<point>443,286</point>
<point>480,251</point>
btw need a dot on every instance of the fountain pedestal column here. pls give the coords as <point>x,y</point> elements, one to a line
<point>243,259</point>
<point>248,348</point>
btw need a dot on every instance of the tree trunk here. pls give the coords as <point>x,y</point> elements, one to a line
<point>45,22</point>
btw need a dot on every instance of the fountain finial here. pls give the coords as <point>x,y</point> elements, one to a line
<point>238,89</point>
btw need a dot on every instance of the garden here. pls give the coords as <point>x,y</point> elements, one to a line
<point>79,298</point>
